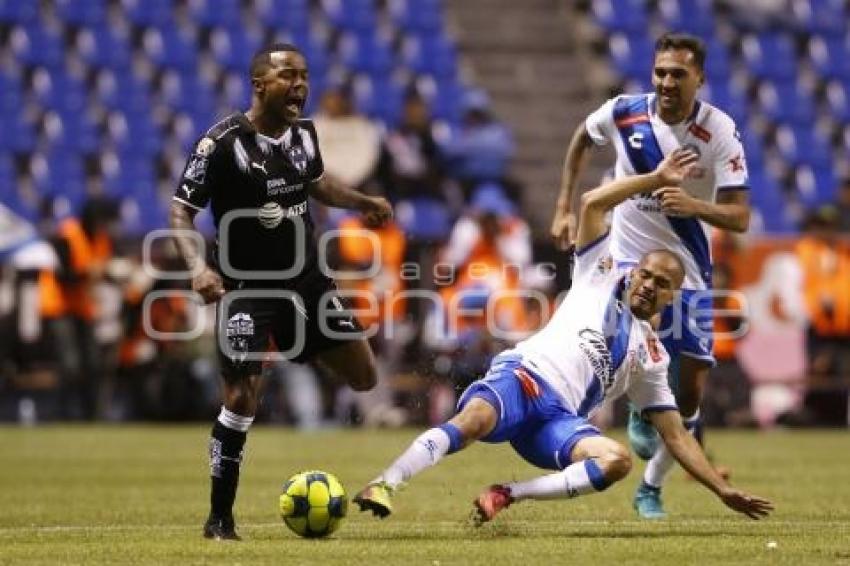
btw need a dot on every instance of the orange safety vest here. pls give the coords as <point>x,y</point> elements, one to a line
<point>826,284</point>
<point>85,253</point>
<point>357,248</point>
<point>51,299</point>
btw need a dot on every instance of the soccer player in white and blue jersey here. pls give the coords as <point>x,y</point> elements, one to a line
<point>598,346</point>
<point>643,129</point>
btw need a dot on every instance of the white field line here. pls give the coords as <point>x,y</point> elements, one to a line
<point>444,525</point>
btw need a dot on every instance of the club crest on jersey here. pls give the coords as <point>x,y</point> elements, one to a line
<point>298,157</point>
<point>205,147</point>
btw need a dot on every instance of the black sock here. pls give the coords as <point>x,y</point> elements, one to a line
<point>225,459</point>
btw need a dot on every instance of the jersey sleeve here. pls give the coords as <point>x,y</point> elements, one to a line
<point>651,392</point>
<point>195,188</point>
<point>593,260</point>
<point>600,124</point>
<point>310,141</point>
<point>730,165</point>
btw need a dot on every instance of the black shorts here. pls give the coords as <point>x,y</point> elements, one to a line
<point>259,322</point>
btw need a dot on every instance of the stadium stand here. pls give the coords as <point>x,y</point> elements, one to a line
<point>784,81</point>
<point>119,86</point>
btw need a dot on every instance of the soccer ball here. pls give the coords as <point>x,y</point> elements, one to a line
<point>313,504</point>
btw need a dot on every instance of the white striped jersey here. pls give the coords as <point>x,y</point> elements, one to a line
<point>642,139</point>
<point>593,349</point>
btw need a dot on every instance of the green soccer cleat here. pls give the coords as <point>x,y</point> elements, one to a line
<point>647,502</point>
<point>376,497</point>
<point>643,437</point>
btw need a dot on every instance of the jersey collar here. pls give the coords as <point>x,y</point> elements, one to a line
<point>653,99</point>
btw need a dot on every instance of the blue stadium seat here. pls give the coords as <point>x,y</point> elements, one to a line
<point>433,55</point>
<point>61,172</point>
<point>81,12</point>
<point>366,53</point>
<point>717,61</point>
<point>145,13</point>
<point>418,15</point>
<point>35,45</point>
<point>102,46</point>
<point>17,12</point>
<point>171,47</point>
<point>284,14</point>
<point>232,48</point>
<point>381,98</point>
<point>838,101</point>
<point>19,133</point>
<point>690,16</point>
<point>771,56</point>
<point>236,94</point>
<point>621,15</point>
<point>216,13</point>
<point>122,90</point>
<point>786,102</point>
<point>827,17</point>
<point>728,97</point>
<point>11,93</point>
<point>351,15</point>
<point>134,133</point>
<point>424,219</point>
<point>632,55</point>
<point>59,91</point>
<point>801,146</point>
<point>816,186</point>
<point>830,57</point>
<point>72,131</point>
<point>446,102</point>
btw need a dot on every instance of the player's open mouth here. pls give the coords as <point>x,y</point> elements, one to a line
<point>644,297</point>
<point>295,104</point>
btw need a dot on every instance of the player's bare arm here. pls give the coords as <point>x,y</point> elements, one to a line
<point>690,456</point>
<point>564,223</point>
<point>329,191</point>
<point>207,283</point>
<point>597,202</point>
<point>730,212</point>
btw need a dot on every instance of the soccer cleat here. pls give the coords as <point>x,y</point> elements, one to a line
<point>220,528</point>
<point>647,502</point>
<point>376,497</point>
<point>643,437</point>
<point>489,503</point>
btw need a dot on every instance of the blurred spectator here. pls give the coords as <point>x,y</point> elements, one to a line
<point>350,143</point>
<point>409,165</point>
<point>377,305</point>
<point>843,206</point>
<point>825,261</point>
<point>84,246</point>
<point>28,263</point>
<point>481,149</point>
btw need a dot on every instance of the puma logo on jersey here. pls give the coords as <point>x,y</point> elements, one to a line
<point>188,190</point>
<point>260,166</point>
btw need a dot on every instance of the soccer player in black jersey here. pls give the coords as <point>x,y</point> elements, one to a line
<point>256,171</point>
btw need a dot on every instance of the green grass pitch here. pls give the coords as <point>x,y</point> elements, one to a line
<point>100,494</point>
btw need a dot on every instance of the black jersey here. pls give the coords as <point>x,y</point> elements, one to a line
<point>257,188</point>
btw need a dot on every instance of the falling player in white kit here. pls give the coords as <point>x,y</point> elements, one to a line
<point>643,129</point>
<point>598,346</point>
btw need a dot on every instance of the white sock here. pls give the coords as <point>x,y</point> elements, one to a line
<point>576,479</point>
<point>662,462</point>
<point>428,449</point>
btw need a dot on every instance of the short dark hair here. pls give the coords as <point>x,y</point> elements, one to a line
<point>262,58</point>
<point>683,41</point>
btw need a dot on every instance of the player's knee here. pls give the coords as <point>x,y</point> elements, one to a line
<point>617,463</point>
<point>241,398</point>
<point>476,420</point>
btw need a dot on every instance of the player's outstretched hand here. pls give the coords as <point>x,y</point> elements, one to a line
<point>675,167</point>
<point>377,212</point>
<point>209,285</point>
<point>563,230</point>
<point>750,505</point>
